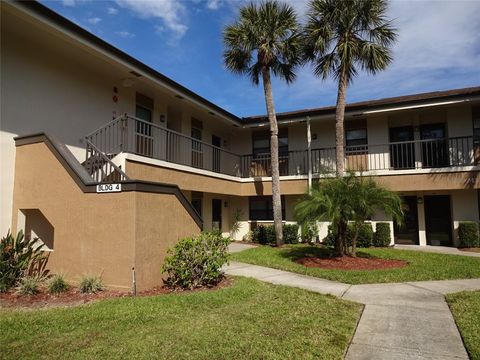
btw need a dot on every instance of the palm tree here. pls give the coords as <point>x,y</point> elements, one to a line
<point>339,38</point>
<point>349,198</point>
<point>262,41</point>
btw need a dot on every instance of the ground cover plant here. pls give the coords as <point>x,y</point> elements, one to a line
<point>248,320</point>
<point>421,265</point>
<point>465,307</point>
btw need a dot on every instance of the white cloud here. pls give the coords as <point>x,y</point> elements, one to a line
<point>68,2</point>
<point>112,11</point>
<point>94,20</point>
<point>125,34</point>
<point>213,4</point>
<point>172,13</point>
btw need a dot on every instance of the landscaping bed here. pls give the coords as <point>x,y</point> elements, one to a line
<point>351,263</point>
<point>420,265</point>
<point>465,307</point>
<point>248,320</point>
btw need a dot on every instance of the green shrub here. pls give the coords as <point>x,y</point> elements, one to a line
<point>309,232</point>
<point>468,234</point>
<point>29,285</point>
<point>382,237</point>
<point>265,234</point>
<point>364,237</point>
<point>90,284</point>
<point>290,233</point>
<point>19,257</point>
<point>196,261</point>
<point>57,284</point>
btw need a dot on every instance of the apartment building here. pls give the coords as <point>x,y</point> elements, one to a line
<point>109,162</point>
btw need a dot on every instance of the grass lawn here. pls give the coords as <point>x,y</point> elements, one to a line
<point>249,320</point>
<point>465,308</point>
<point>422,265</point>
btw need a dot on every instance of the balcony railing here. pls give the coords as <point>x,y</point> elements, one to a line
<point>136,136</point>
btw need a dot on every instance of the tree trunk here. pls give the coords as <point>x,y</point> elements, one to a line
<point>272,118</point>
<point>354,242</point>
<point>341,241</point>
<point>339,124</point>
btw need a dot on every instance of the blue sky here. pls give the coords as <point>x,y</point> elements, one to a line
<point>438,49</point>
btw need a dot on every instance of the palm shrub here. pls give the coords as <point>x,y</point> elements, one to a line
<point>90,284</point>
<point>382,237</point>
<point>349,198</point>
<point>57,284</point>
<point>309,232</point>
<point>468,234</point>
<point>19,257</point>
<point>196,261</point>
<point>264,41</point>
<point>341,37</point>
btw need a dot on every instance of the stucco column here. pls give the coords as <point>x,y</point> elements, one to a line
<point>422,233</point>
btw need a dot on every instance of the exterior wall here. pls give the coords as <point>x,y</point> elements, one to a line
<point>464,208</point>
<point>101,234</point>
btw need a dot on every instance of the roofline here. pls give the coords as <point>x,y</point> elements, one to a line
<point>43,11</point>
<point>378,105</point>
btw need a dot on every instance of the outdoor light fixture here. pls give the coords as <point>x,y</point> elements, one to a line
<point>162,118</point>
<point>419,200</point>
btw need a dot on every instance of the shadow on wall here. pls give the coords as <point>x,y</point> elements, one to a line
<point>36,225</point>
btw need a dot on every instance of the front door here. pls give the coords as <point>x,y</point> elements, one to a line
<point>402,148</point>
<point>216,142</point>
<point>144,138</point>
<point>217,214</point>
<point>435,146</point>
<point>407,233</point>
<point>438,222</point>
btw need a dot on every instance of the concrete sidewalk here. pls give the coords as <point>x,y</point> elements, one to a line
<point>437,249</point>
<point>399,321</point>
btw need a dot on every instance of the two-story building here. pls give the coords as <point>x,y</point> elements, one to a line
<point>78,115</point>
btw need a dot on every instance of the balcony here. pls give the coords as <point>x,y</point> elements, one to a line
<point>132,135</point>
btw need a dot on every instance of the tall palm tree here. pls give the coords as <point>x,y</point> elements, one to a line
<point>264,40</point>
<point>341,37</point>
<point>348,198</point>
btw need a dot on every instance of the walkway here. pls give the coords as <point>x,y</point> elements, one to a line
<point>399,321</point>
<point>438,249</point>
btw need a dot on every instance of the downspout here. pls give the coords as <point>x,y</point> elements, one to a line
<point>309,154</point>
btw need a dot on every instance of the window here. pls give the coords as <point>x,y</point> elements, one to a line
<point>261,143</point>
<point>476,125</point>
<point>261,208</point>
<point>356,137</point>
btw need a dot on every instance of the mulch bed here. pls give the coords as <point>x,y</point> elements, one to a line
<point>73,297</point>
<point>351,263</point>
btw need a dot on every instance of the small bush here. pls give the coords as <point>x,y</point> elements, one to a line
<point>265,234</point>
<point>468,234</point>
<point>57,284</point>
<point>196,261</point>
<point>290,233</point>
<point>309,232</point>
<point>90,284</point>
<point>382,237</point>
<point>29,285</point>
<point>19,257</point>
<point>364,237</point>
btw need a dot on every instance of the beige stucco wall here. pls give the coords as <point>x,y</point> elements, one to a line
<point>100,234</point>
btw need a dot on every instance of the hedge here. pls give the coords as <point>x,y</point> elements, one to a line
<point>265,234</point>
<point>468,234</point>
<point>382,237</point>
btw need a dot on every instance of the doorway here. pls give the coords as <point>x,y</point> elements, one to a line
<point>438,220</point>
<point>435,148</point>
<point>144,138</point>
<point>216,152</point>
<point>216,214</point>
<point>402,149</point>
<point>407,233</point>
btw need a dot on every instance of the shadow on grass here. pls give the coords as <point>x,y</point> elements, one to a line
<point>300,252</point>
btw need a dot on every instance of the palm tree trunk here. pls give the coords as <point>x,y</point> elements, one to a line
<point>341,240</point>
<point>339,124</point>
<point>272,118</point>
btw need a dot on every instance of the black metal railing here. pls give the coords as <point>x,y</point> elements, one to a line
<point>136,136</point>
